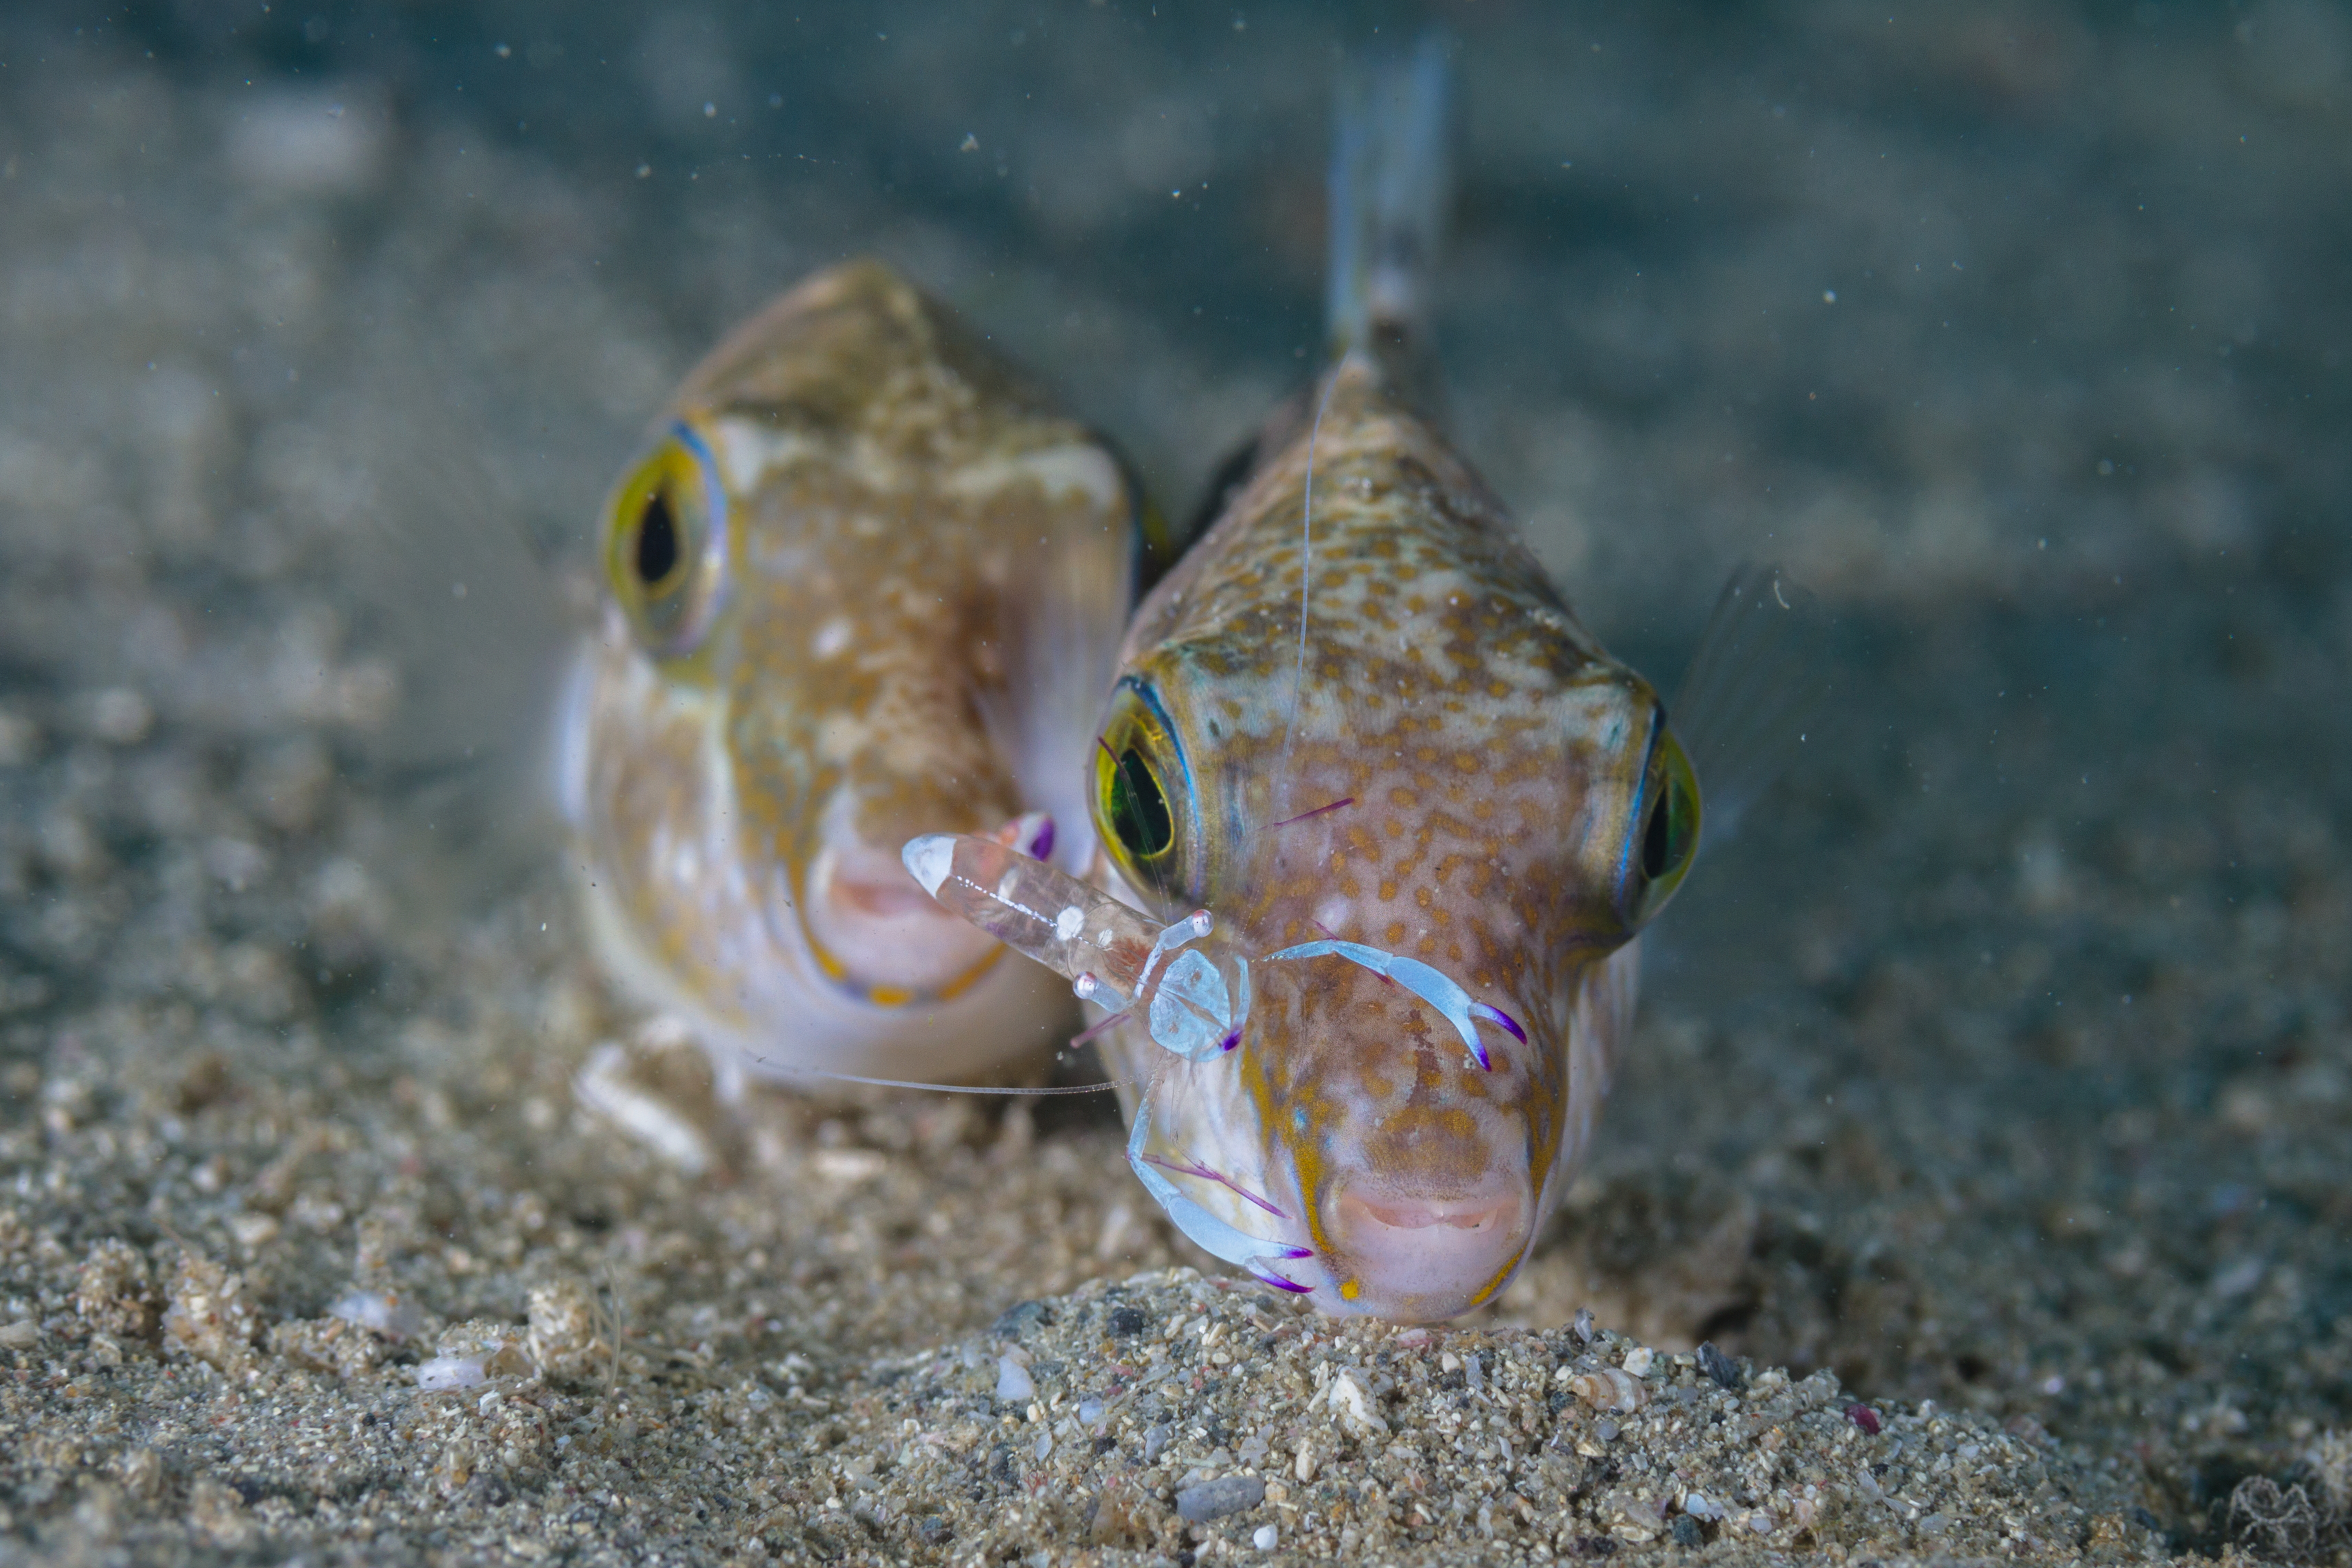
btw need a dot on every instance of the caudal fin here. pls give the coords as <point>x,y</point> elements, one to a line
<point>1392,180</point>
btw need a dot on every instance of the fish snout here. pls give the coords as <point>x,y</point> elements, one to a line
<point>874,926</point>
<point>1425,1256</point>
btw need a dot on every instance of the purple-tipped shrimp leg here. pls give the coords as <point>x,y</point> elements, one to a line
<point>1209,1233</point>
<point>1440,990</point>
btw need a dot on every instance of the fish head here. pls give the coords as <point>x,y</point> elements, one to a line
<point>1432,834</point>
<point>826,578</point>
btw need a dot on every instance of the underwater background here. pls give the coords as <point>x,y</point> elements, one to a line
<point>1999,1066</point>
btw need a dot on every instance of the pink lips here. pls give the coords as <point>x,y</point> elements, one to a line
<point>887,900</point>
<point>1422,1256</point>
<point>878,924</point>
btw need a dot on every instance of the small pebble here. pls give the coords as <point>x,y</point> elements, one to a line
<point>379,1313</point>
<point>1013,1383</point>
<point>1353,1407</point>
<point>443,1374</point>
<point>1611,1388</point>
<point>1200,1503</point>
<point>1020,1318</point>
<point>1864,1417</point>
<point>1265,1537</point>
<point>1720,1366</point>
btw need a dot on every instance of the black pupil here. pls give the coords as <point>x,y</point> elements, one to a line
<point>1657,838</point>
<point>1139,812</point>
<point>657,540</point>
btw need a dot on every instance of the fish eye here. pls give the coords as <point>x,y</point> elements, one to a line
<point>1669,829</point>
<point>656,541</point>
<point>665,542</point>
<point>1139,807</point>
<point>1142,794</point>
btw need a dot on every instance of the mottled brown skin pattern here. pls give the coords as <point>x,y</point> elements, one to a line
<point>1491,750</point>
<point>908,523</point>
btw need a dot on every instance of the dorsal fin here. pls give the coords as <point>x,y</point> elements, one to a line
<point>1392,180</point>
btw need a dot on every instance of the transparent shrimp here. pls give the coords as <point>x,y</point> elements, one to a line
<point>1191,985</point>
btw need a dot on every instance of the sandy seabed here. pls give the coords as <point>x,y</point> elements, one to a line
<point>1977,1186</point>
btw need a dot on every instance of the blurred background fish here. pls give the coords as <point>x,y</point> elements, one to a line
<point>864,582</point>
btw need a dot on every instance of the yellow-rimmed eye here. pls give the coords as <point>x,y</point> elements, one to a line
<point>665,542</point>
<point>1143,795</point>
<point>1666,838</point>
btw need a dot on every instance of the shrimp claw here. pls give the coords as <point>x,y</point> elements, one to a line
<point>1433,986</point>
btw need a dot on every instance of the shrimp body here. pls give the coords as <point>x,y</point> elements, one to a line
<point>1432,816</point>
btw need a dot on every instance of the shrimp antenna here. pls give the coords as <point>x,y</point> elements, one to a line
<point>785,1070</point>
<point>956,1089</point>
<point>1305,578</point>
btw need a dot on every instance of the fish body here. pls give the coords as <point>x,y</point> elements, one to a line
<point>1448,770</point>
<point>864,582</point>
<point>1418,813</point>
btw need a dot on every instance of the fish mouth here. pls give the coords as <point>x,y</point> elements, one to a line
<point>873,932</point>
<point>1422,1256</point>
